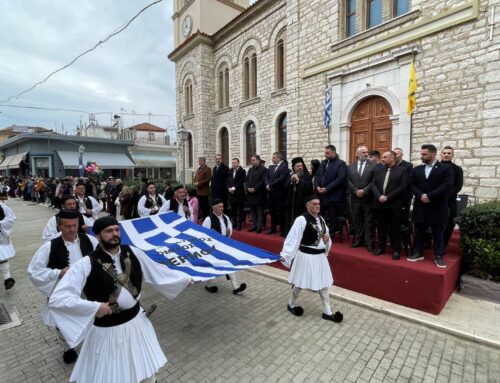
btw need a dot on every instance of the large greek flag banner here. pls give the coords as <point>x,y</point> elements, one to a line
<point>193,249</point>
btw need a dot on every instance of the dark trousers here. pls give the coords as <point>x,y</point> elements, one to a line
<point>362,212</point>
<point>388,223</point>
<point>237,214</point>
<point>277,209</point>
<point>291,216</point>
<point>204,208</point>
<point>437,237</point>
<point>450,226</point>
<point>257,216</point>
<point>333,211</point>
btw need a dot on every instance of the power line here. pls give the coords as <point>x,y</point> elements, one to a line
<point>80,55</point>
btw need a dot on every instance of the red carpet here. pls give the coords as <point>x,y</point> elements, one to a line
<point>420,285</point>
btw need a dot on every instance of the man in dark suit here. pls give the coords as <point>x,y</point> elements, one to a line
<point>360,177</point>
<point>297,190</point>
<point>389,185</point>
<point>256,192</point>
<point>277,176</point>
<point>408,194</point>
<point>331,182</point>
<point>235,184</point>
<point>458,181</point>
<point>219,178</point>
<point>431,186</point>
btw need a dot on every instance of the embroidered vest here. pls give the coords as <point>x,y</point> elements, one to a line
<point>311,234</point>
<point>150,202</point>
<point>59,254</point>
<point>174,205</point>
<point>215,223</point>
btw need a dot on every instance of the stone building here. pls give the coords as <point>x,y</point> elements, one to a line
<point>253,79</point>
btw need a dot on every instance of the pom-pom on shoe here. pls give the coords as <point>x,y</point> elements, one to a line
<point>297,310</point>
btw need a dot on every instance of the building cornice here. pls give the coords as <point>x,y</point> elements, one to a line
<point>182,10</point>
<point>192,42</point>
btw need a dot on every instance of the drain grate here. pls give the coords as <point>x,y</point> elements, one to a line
<point>4,315</point>
<point>9,316</point>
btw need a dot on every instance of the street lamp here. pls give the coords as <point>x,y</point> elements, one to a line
<point>81,150</point>
<point>183,135</point>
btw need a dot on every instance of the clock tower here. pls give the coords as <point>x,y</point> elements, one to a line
<point>207,16</point>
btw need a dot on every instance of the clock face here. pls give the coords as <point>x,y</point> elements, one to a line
<point>186,26</point>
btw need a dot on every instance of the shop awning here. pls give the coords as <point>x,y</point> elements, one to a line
<point>104,160</point>
<point>13,161</point>
<point>153,160</point>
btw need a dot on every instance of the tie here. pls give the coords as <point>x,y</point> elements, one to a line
<point>386,180</point>
<point>276,168</point>
<point>360,170</point>
<point>234,174</point>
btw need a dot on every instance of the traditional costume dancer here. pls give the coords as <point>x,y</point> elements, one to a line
<point>119,342</point>
<point>52,260</point>
<point>151,203</point>
<point>180,205</point>
<point>307,245</point>
<point>87,205</point>
<point>7,219</point>
<point>221,223</point>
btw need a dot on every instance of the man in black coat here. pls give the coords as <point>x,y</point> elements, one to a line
<point>458,181</point>
<point>297,190</point>
<point>331,183</point>
<point>255,187</point>
<point>219,178</point>
<point>431,186</point>
<point>235,183</point>
<point>277,177</point>
<point>388,187</point>
<point>360,177</point>
<point>408,194</point>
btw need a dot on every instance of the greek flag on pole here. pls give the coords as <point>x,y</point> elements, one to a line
<point>193,249</point>
<point>328,106</point>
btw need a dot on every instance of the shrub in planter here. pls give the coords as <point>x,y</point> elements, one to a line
<point>480,240</point>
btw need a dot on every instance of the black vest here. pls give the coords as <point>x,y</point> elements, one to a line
<point>150,202</point>
<point>100,285</point>
<point>310,235</point>
<point>174,205</point>
<point>215,223</point>
<point>59,254</point>
<point>2,213</point>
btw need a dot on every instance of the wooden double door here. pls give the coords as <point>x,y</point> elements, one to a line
<point>371,126</point>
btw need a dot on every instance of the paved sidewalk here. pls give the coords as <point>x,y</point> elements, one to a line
<point>248,338</point>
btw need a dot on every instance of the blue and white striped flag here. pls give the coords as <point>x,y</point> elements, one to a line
<point>328,106</point>
<point>190,248</point>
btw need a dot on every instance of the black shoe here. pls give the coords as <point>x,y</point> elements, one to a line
<point>9,283</point>
<point>357,244</point>
<point>416,256</point>
<point>337,317</point>
<point>211,289</point>
<point>272,231</point>
<point>252,229</point>
<point>297,310</point>
<point>369,248</point>
<point>440,263</point>
<point>242,287</point>
<point>283,235</point>
<point>259,231</point>
<point>70,356</point>
<point>379,251</point>
<point>238,227</point>
<point>395,256</point>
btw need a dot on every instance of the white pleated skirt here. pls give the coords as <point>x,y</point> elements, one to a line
<point>128,353</point>
<point>310,271</point>
<point>7,251</point>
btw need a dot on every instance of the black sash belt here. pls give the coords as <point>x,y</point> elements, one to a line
<point>118,318</point>
<point>310,250</point>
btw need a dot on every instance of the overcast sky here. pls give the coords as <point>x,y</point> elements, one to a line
<point>130,71</point>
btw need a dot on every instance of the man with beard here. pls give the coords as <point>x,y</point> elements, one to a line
<point>119,342</point>
<point>219,178</point>
<point>458,181</point>
<point>297,190</point>
<point>87,205</point>
<point>408,195</point>
<point>235,183</point>
<point>151,203</point>
<point>179,203</point>
<point>432,183</point>
<point>307,245</point>
<point>53,259</point>
<point>51,230</point>
<point>256,192</point>
<point>276,179</point>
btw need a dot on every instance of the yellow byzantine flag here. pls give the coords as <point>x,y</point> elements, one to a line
<point>412,88</point>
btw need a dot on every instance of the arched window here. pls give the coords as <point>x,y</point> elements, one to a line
<point>189,151</point>
<point>250,140</point>
<point>401,7</point>
<point>282,132</point>
<point>223,85</point>
<point>250,74</point>
<point>221,90</point>
<point>280,62</point>
<point>188,97</point>
<point>374,13</point>
<point>226,86</point>
<point>350,19</point>
<point>224,145</point>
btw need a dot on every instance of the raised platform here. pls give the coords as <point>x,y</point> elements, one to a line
<point>420,285</point>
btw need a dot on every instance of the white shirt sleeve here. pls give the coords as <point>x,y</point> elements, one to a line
<point>292,241</point>
<point>7,223</point>
<point>229,226</point>
<point>166,281</point>
<point>89,222</point>
<point>50,231</point>
<point>73,315</point>
<point>40,275</point>
<point>191,213</point>
<point>96,208</point>
<point>165,205</point>
<point>207,223</point>
<point>141,209</point>
<point>94,241</point>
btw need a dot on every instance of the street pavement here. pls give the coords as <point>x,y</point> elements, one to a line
<point>246,338</point>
